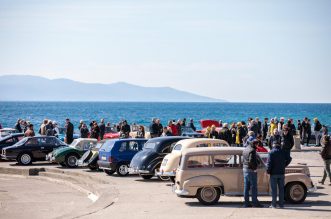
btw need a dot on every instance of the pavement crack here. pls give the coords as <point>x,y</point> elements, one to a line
<point>93,212</point>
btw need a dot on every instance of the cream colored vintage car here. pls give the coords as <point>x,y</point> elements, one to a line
<point>171,161</point>
<point>207,173</point>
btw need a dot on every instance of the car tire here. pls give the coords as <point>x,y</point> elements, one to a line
<point>172,179</point>
<point>295,192</point>
<point>63,164</point>
<point>146,176</point>
<point>208,195</point>
<point>24,159</point>
<point>109,172</point>
<point>122,170</point>
<point>71,160</point>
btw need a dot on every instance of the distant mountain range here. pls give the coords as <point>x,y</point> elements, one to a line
<point>34,88</point>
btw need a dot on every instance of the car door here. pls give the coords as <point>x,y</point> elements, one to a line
<point>33,146</point>
<point>127,150</point>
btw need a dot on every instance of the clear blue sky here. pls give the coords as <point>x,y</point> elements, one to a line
<point>251,51</point>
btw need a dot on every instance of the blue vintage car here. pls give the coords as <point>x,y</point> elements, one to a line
<point>115,155</point>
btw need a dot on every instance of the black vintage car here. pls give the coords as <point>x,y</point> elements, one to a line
<point>31,149</point>
<point>148,161</point>
<point>10,140</point>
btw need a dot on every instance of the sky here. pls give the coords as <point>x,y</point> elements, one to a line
<point>237,50</point>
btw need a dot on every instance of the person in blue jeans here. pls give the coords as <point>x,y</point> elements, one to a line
<point>250,165</point>
<point>278,160</point>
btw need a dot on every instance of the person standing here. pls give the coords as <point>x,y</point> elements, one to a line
<point>84,131</point>
<point>304,129</point>
<point>69,131</point>
<point>326,156</point>
<point>274,138</point>
<point>179,127</point>
<point>317,131</point>
<point>102,127</point>
<point>153,128</point>
<point>173,127</point>
<point>272,127</point>
<point>308,131</point>
<point>277,161</point>
<point>42,130</point>
<point>213,132</point>
<point>300,128</point>
<point>225,134</point>
<point>191,125</point>
<point>259,125</point>
<point>233,131</point>
<point>141,132</point>
<point>18,126</point>
<point>49,129</point>
<point>280,125</point>
<point>250,165</point>
<point>29,132</point>
<point>241,133</point>
<point>159,127</point>
<point>287,141</point>
<point>265,129</point>
<point>125,129</point>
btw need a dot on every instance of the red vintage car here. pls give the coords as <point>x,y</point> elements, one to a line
<point>208,122</point>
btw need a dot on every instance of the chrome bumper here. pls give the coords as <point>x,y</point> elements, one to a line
<point>165,173</point>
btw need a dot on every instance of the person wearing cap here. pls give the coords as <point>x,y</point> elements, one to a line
<point>250,165</point>
<point>29,132</point>
<point>277,161</point>
<point>317,131</point>
<point>287,141</point>
<point>69,131</point>
<point>326,156</point>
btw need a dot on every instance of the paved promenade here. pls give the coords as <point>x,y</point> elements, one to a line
<point>132,197</point>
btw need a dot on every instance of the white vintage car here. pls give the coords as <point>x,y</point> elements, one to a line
<point>207,173</point>
<point>171,161</point>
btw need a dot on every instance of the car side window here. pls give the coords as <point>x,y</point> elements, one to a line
<point>123,147</point>
<point>133,146</point>
<point>10,140</point>
<point>203,161</point>
<point>87,145</point>
<point>222,160</point>
<point>32,141</point>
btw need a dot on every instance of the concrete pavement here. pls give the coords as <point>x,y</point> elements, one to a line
<point>134,197</point>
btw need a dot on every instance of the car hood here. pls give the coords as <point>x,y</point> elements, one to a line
<point>61,150</point>
<point>142,158</point>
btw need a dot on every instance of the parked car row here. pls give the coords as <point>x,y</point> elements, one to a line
<point>200,168</point>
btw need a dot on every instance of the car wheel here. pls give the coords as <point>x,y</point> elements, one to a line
<point>71,160</point>
<point>24,159</point>
<point>146,176</point>
<point>109,172</point>
<point>295,192</point>
<point>172,179</point>
<point>209,195</point>
<point>122,170</point>
<point>63,164</point>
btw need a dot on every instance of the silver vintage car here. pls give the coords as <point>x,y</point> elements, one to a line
<point>207,173</point>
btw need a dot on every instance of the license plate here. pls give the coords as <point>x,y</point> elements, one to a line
<point>103,158</point>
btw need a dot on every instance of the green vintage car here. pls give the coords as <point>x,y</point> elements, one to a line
<point>68,156</point>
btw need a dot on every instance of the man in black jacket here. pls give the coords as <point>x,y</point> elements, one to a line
<point>265,129</point>
<point>250,165</point>
<point>317,131</point>
<point>69,131</point>
<point>287,142</point>
<point>278,160</point>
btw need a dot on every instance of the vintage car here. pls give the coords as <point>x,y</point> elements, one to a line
<point>7,131</point>
<point>90,158</point>
<point>189,132</point>
<point>31,149</point>
<point>171,161</point>
<point>207,173</point>
<point>68,156</point>
<point>11,140</point>
<point>148,161</point>
<point>116,155</point>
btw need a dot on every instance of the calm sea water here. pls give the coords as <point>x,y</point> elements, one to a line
<point>142,113</point>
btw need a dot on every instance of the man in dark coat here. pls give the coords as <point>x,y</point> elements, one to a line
<point>153,129</point>
<point>265,129</point>
<point>225,134</point>
<point>102,127</point>
<point>287,141</point>
<point>69,131</point>
<point>278,160</point>
<point>18,126</point>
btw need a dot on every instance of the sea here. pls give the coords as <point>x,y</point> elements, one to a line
<point>143,112</point>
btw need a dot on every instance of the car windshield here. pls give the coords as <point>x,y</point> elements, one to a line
<point>74,144</point>
<point>151,145</point>
<point>107,146</point>
<point>21,142</point>
<point>187,130</point>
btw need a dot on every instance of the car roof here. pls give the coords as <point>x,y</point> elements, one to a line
<point>213,150</point>
<point>167,138</point>
<point>127,139</point>
<point>188,142</point>
<point>86,139</point>
<point>7,129</point>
